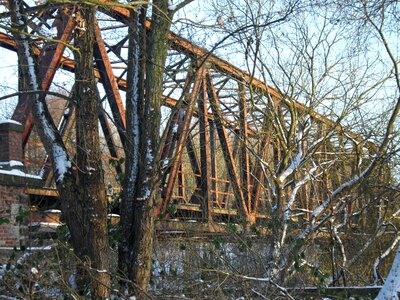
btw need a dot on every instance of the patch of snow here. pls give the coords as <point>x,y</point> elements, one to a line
<point>8,121</point>
<point>72,281</point>
<point>173,232</point>
<point>146,193</point>
<point>90,170</point>
<point>165,162</point>
<point>295,163</point>
<point>61,161</point>
<point>11,163</point>
<point>149,156</point>
<point>134,100</point>
<point>45,224</point>
<point>113,215</point>
<point>59,154</point>
<point>19,173</point>
<point>46,248</point>
<point>21,260</point>
<point>52,211</point>
<point>100,271</point>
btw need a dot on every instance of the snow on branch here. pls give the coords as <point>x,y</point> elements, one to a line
<point>50,134</point>
<point>345,185</point>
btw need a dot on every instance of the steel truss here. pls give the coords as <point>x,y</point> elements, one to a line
<point>221,138</point>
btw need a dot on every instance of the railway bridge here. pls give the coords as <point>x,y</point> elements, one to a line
<point>230,141</point>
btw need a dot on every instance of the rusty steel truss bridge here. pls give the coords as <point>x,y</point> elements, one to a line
<point>222,148</point>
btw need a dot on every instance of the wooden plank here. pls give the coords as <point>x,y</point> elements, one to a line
<point>41,192</point>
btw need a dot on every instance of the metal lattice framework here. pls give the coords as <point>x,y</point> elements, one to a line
<point>220,137</point>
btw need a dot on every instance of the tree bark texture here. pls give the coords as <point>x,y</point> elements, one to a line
<point>134,103</point>
<point>91,194</point>
<point>147,55</point>
<point>82,193</point>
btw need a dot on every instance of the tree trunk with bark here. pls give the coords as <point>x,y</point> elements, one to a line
<point>90,178</point>
<point>147,55</point>
<point>82,192</point>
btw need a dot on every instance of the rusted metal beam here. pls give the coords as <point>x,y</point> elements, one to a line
<point>194,161</point>
<point>110,84</point>
<point>168,143</point>
<point>111,145</point>
<point>191,99</point>
<point>181,181</point>
<point>213,163</point>
<point>244,148</point>
<point>227,184</point>
<point>183,45</point>
<point>241,181</point>
<point>226,149</point>
<point>258,171</point>
<point>204,153</point>
<point>171,138</point>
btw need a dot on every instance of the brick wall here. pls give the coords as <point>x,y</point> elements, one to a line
<point>10,141</point>
<point>13,202</point>
<point>13,181</point>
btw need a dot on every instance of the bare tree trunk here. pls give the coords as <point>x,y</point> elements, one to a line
<point>134,102</point>
<point>82,193</point>
<point>91,197</point>
<point>143,131</point>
